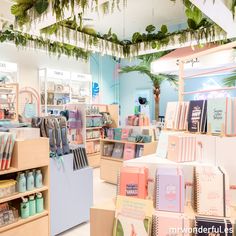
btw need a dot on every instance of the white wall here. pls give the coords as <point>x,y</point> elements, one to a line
<point>30,60</point>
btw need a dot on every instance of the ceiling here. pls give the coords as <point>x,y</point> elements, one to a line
<point>137,15</point>
<point>134,17</point>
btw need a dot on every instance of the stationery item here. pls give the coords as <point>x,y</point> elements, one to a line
<point>108,149</point>
<point>206,226</point>
<point>171,112</point>
<point>139,151</point>
<point>230,126</point>
<point>117,133</point>
<point>133,216</point>
<point>39,203</point>
<point>118,150</point>
<point>22,183</point>
<point>183,116</point>
<point>7,187</point>
<point>32,206</point>
<point>125,134</point>
<point>129,151</point>
<point>133,182</point>
<point>197,117</point>
<point>211,188</point>
<point>166,223</point>
<point>182,148</point>
<point>80,159</point>
<point>216,110</point>
<point>30,181</point>
<point>38,179</point>
<point>8,214</point>
<point>24,208</point>
<point>169,193</point>
<point>110,133</point>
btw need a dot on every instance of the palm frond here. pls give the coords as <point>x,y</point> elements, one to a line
<point>230,81</point>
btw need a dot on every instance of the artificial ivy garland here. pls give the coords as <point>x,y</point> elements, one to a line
<point>57,48</point>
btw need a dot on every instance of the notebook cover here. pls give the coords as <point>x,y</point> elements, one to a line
<point>133,216</point>
<point>118,150</point>
<point>213,226</point>
<point>170,117</point>
<point>175,144</point>
<point>117,133</point>
<point>129,151</point>
<point>216,110</point>
<point>177,115</point>
<point>168,224</point>
<point>170,189</point>
<point>133,182</point>
<point>212,189</point>
<point>196,116</point>
<point>125,134</point>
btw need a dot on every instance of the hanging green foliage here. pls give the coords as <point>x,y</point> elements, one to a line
<point>57,48</point>
<point>27,10</point>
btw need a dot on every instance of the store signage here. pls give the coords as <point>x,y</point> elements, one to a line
<point>8,67</point>
<point>81,77</point>
<point>58,74</point>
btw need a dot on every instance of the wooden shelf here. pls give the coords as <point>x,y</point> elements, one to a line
<point>9,171</point>
<point>23,221</point>
<point>93,154</point>
<point>91,128</point>
<point>122,141</point>
<point>19,195</point>
<point>112,158</point>
<point>98,115</point>
<point>93,139</point>
<point>14,170</point>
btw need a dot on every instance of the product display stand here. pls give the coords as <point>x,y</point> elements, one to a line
<point>27,157</point>
<point>71,195</point>
<point>94,159</point>
<point>110,166</point>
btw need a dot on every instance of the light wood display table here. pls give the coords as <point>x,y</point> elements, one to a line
<point>110,166</point>
<point>28,155</point>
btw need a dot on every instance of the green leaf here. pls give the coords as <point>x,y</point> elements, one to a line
<point>41,6</point>
<point>154,45</point>
<point>164,29</point>
<point>150,28</point>
<point>137,37</point>
<point>192,24</point>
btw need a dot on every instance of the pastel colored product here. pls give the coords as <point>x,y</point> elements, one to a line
<point>133,182</point>
<point>169,189</point>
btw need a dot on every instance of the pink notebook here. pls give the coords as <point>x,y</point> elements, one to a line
<point>129,151</point>
<point>125,134</point>
<point>133,182</point>
<point>169,189</point>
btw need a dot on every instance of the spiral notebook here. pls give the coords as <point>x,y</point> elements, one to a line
<point>133,182</point>
<point>168,223</point>
<point>169,189</point>
<point>213,226</point>
<point>211,191</point>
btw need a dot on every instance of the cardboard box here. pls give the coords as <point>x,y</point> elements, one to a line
<point>101,219</point>
<point>28,154</point>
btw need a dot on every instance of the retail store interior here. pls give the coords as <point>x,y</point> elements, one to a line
<point>117,117</point>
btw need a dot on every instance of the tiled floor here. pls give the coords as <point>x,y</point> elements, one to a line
<point>102,193</point>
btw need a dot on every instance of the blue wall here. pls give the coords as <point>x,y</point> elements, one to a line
<point>102,69</point>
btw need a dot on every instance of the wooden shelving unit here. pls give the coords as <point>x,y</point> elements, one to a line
<point>23,160</point>
<point>110,165</point>
<point>94,159</point>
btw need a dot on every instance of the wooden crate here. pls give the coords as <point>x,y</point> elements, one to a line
<point>28,154</point>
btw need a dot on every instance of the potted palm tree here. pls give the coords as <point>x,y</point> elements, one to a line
<point>144,67</point>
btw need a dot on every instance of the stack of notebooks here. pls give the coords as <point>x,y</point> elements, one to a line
<point>169,192</point>
<point>182,147</point>
<point>211,196</point>
<point>133,182</point>
<point>123,151</point>
<point>7,141</point>
<point>176,115</point>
